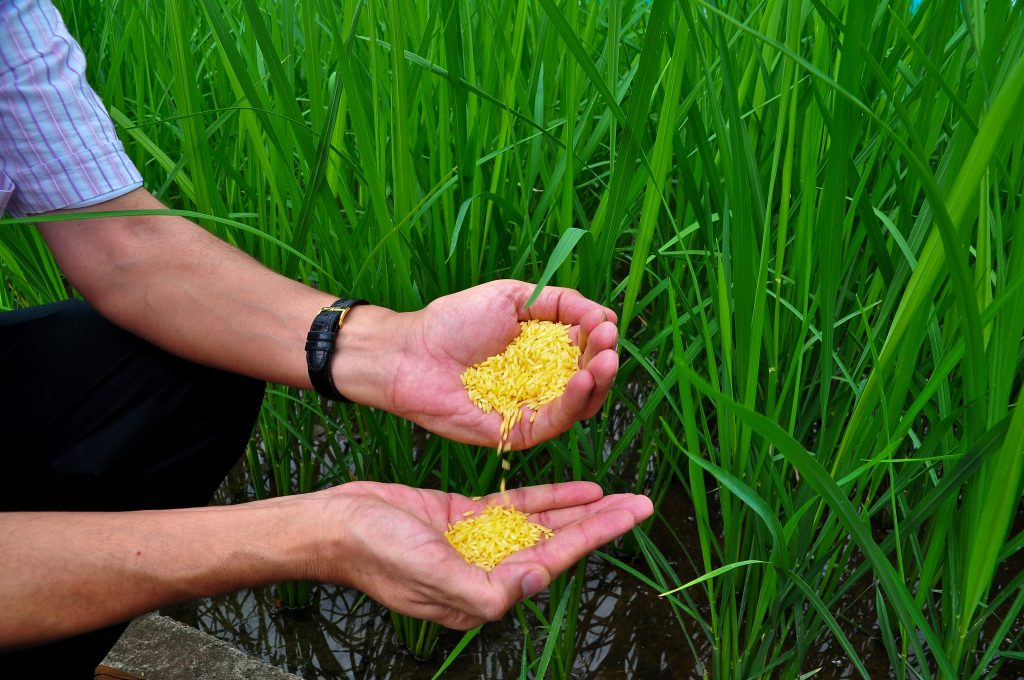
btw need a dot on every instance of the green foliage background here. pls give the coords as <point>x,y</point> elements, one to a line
<point>808,213</point>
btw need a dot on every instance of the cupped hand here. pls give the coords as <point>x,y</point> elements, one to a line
<point>459,330</point>
<point>387,540</point>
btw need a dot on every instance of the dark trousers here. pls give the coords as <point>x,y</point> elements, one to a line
<point>94,418</point>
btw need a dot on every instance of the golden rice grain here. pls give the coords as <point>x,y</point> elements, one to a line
<point>494,534</point>
<point>532,371</point>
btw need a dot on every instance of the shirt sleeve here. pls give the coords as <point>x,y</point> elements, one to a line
<point>58,148</point>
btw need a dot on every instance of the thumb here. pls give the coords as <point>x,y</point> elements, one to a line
<point>520,580</point>
<point>533,582</point>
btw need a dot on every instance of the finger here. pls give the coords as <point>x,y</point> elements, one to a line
<point>527,572</point>
<point>485,596</point>
<point>584,394</point>
<point>570,544</point>
<point>516,581</point>
<point>555,304</point>
<point>602,336</point>
<point>603,368</point>
<point>588,323</point>
<point>463,599</point>
<point>555,418</point>
<point>639,506</point>
<point>532,499</point>
<point>543,497</point>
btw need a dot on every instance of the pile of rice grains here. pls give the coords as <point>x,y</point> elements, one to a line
<point>533,370</point>
<point>493,535</point>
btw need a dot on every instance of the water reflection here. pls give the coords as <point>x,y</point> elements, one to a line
<point>623,630</point>
<point>626,631</point>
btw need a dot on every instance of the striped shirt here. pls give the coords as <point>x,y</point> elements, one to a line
<point>58,148</point>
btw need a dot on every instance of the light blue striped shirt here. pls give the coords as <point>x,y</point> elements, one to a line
<point>58,148</point>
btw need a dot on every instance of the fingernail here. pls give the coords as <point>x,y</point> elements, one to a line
<point>533,583</point>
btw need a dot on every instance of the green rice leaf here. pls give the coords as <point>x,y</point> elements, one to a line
<point>566,243</point>
<point>712,574</point>
<point>812,472</point>
<point>454,654</point>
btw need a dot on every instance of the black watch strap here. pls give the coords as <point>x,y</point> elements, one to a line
<point>320,343</point>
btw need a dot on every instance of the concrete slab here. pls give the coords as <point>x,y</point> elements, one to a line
<point>159,648</point>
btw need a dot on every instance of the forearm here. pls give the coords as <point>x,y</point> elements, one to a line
<point>171,282</point>
<point>65,573</point>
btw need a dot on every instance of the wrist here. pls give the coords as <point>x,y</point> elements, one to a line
<point>367,355</point>
<point>329,519</point>
<point>292,536</point>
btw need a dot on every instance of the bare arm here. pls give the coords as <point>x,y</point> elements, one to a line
<point>170,281</point>
<point>173,283</point>
<point>67,573</point>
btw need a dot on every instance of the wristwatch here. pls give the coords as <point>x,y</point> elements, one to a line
<point>320,343</point>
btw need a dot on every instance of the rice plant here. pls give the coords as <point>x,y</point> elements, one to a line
<point>808,214</point>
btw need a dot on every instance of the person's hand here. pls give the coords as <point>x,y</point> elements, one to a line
<point>387,540</point>
<point>459,330</point>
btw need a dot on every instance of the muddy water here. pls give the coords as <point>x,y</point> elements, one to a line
<point>623,629</point>
<point>629,634</point>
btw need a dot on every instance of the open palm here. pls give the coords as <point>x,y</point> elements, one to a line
<point>459,330</point>
<point>394,549</point>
